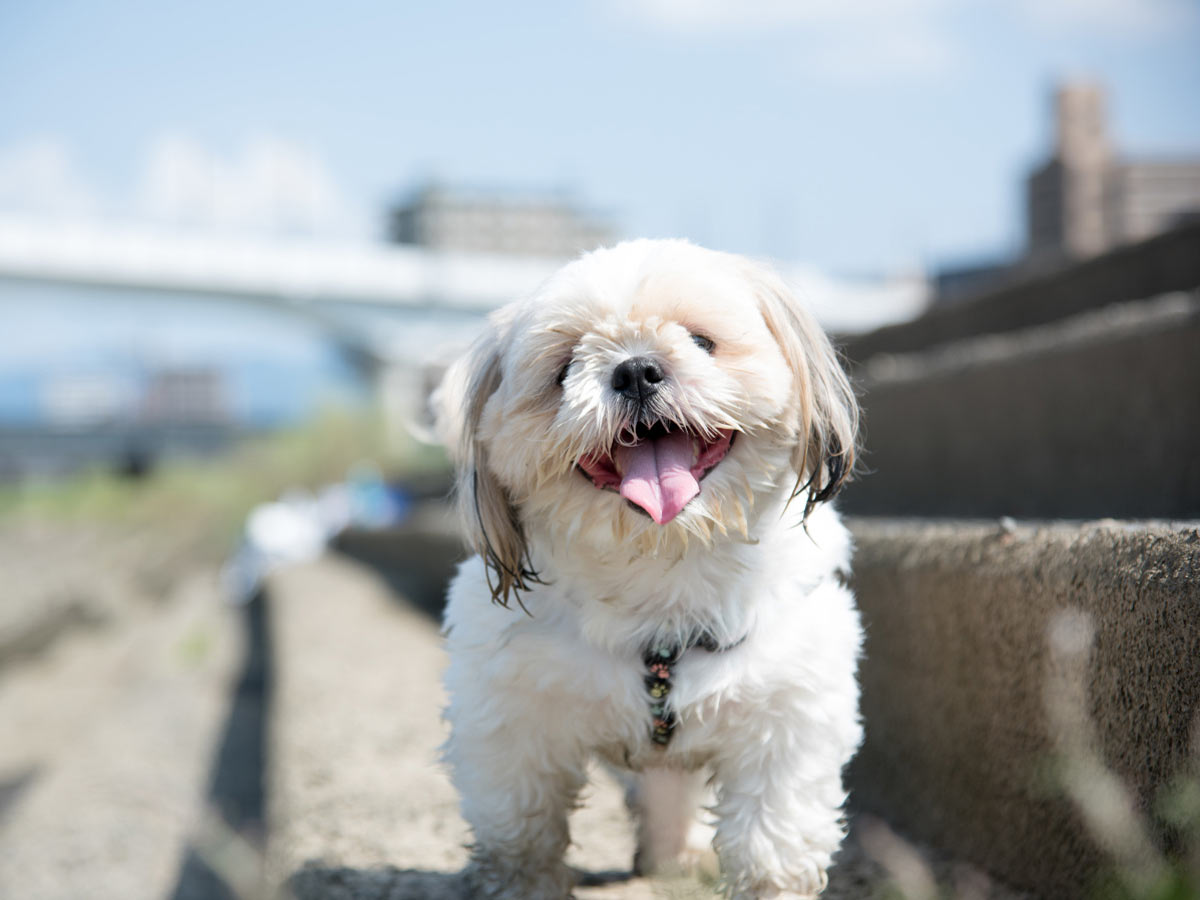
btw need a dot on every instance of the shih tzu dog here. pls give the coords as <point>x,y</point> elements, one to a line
<point>644,447</point>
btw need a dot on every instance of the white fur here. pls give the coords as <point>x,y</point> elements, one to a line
<point>538,688</point>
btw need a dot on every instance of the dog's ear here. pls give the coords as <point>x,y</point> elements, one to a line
<point>826,410</point>
<point>489,518</point>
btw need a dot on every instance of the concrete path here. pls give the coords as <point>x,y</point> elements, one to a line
<point>360,807</point>
<point>108,737</point>
<point>189,750</point>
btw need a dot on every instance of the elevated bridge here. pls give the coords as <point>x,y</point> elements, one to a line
<point>381,301</point>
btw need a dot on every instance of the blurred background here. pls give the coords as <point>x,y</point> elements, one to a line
<point>217,221</point>
<point>238,241</point>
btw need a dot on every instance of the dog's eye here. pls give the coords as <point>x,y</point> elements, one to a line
<point>704,343</point>
<point>562,374</point>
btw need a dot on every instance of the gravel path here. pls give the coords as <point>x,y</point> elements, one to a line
<point>108,739</point>
<point>323,701</point>
<point>360,807</point>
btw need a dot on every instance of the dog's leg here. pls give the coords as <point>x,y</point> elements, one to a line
<point>672,837</point>
<point>779,808</point>
<point>517,787</point>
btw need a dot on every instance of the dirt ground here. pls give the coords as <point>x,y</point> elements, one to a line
<point>165,744</point>
<point>360,807</point>
<point>108,737</point>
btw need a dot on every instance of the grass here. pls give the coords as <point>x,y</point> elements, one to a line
<point>209,498</point>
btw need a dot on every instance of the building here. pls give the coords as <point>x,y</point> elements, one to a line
<point>81,399</point>
<point>548,225</point>
<point>1086,198</point>
<point>186,396</point>
<point>1146,198</point>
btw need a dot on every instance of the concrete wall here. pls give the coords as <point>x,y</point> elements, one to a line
<point>1169,262</point>
<point>1074,395</point>
<point>1095,416</point>
<point>956,667</point>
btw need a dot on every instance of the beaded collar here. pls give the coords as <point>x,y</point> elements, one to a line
<point>660,659</point>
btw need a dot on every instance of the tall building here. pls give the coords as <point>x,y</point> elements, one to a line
<point>439,218</point>
<point>1086,199</point>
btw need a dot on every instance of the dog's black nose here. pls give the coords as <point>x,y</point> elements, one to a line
<point>637,377</point>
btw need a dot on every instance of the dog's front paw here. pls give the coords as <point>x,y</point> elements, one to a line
<point>806,884</point>
<point>692,861</point>
<point>497,878</point>
<point>777,894</point>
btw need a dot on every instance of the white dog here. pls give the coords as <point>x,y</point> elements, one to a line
<point>644,446</point>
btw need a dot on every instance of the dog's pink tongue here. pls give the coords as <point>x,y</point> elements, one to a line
<point>657,475</point>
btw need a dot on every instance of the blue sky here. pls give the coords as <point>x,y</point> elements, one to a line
<point>861,136</point>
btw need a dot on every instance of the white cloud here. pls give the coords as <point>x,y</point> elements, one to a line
<point>39,179</point>
<point>854,41</point>
<point>910,50</point>
<point>271,186</point>
<point>1122,19</point>
<point>759,16</point>
<point>1128,18</point>
<point>873,40</point>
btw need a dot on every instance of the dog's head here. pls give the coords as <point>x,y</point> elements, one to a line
<point>646,393</point>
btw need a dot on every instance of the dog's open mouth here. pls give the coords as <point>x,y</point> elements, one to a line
<point>659,470</point>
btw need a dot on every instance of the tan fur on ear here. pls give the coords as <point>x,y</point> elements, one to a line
<point>827,435</point>
<point>489,517</point>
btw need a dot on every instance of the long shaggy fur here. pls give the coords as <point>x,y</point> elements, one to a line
<point>536,693</point>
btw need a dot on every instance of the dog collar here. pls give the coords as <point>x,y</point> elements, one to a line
<point>660,659</point>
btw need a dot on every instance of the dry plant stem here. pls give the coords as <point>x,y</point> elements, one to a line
<point>1102,799</point>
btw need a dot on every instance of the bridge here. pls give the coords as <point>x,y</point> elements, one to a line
<point>378,300</point>
<point>390,311</point>
<point>396,313</point>
<point>351,287</point>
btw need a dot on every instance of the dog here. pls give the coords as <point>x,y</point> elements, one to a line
<point>645,447</point>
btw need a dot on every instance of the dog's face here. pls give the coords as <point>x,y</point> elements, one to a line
<point>646,393</point>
